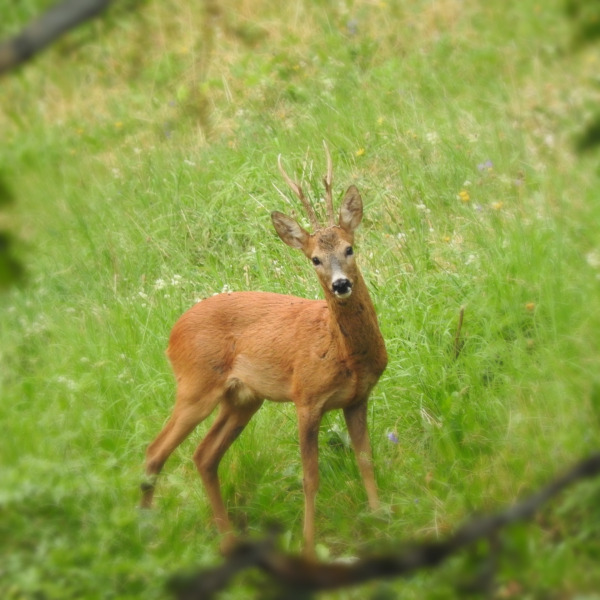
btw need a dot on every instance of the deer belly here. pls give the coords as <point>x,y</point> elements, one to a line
<point>265,380</point>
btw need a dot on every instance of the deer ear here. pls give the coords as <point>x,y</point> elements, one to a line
<point>289,231</point>
<point>351,211</point>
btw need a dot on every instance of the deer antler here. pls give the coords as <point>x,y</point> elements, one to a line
<point>327,180</point>
<point>298,191</point>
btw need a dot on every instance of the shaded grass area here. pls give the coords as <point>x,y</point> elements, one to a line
<point>142,155</point>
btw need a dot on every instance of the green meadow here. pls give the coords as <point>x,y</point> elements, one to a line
<point>141,151</point>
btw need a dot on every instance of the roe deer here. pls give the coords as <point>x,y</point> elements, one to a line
<point>237,349</point>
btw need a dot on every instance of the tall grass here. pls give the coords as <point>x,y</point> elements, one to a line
<point>142,150</point>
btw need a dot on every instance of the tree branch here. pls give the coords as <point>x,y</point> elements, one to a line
<point>297,575</point>
<point>47,28</point>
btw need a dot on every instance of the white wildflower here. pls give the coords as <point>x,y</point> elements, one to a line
<point>432,137</point>
<point>68,383</point>
<point>593,259</point>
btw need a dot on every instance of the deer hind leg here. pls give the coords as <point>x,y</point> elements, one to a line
<point>234,415</point>
<point>190,409</point>
<point>356,421</point>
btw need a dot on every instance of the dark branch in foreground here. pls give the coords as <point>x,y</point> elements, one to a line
<point>299,575</point>
<point>47,28</point>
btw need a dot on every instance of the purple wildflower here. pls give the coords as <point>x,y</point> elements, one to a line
<point>485,166</point>
<point>392,437</point>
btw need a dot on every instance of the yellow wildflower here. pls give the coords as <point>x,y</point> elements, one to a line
<point>360,152</point>
<point>464,196</point>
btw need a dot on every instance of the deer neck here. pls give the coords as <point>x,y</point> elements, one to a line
<point>353,323</point>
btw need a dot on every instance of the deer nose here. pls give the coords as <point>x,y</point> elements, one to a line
<point>342,287</point>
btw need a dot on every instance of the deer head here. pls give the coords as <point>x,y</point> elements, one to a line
<point>328,248</point>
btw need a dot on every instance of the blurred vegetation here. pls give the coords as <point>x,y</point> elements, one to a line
<point>141,152</point>
<point>585,19</point>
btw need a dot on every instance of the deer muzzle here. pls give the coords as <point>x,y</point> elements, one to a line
<point>342,287</point>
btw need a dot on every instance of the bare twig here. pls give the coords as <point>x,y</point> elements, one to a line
<point>300,575</point>
<point>42,31</point>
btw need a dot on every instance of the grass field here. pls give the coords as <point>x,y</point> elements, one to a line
<point>141,151</point>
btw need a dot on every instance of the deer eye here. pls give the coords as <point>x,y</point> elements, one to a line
<point>315,261</point>
<point>349,251</point>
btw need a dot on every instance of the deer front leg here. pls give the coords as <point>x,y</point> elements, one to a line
<point>356,421</point>
<point>308,426</point>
